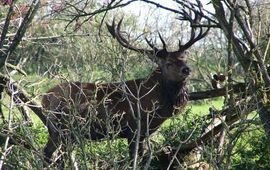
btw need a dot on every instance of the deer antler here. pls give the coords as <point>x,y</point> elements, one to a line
<point>194,23</point>
<point>115,32</point>
<point>162,40</point>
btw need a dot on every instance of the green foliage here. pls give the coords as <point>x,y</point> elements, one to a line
<point>252,151</point>
<point>24,156</point>
<point>188,125</point>
<point>176,131</point>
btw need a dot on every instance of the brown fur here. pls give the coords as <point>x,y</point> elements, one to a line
<point>109,110</point>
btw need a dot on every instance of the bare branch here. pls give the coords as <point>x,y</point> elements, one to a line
<point>218,128</point>
<point>5,28</point>
<point>25,23</point>
<point>23,96</point>
<point>237,88</point>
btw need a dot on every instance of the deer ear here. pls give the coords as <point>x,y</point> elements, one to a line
<point>182,55</point>
<point>162,54</point>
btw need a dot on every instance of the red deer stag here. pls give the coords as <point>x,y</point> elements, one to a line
<point>123,109</point>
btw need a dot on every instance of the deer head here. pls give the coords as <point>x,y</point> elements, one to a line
<point>171,63</point>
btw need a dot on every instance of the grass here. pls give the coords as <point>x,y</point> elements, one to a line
<point>195,110</point>
<point>202,108</point>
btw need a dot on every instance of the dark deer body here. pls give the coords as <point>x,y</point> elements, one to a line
<point>120,109</point>
<point>112,103</point>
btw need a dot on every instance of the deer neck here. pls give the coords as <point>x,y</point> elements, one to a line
<point>173,95</point>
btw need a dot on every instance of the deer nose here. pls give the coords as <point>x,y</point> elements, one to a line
<point>186,70</point>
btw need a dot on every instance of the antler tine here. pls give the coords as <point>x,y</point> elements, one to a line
<point>111,28</point>
<point>194,23</point>
<point>163,42</point>
<point>194,39</point>
<point>115,32</point>
<point>118,27</point>
<point>151,45</point>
